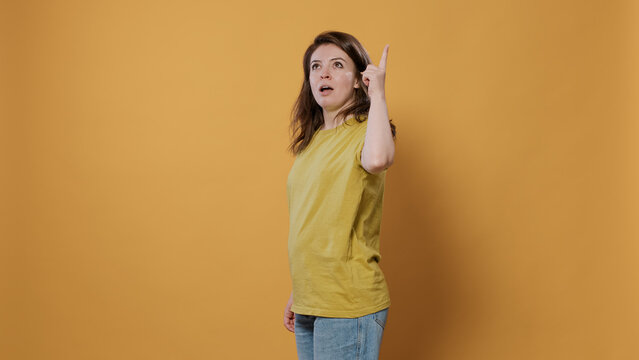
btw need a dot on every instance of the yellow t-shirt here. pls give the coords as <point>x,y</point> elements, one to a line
<point>335,213</point>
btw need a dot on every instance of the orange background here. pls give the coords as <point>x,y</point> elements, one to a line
<point>143,152</point>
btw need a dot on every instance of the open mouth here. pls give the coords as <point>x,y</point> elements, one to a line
<point>325,88</point>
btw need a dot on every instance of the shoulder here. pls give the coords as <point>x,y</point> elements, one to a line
<point>360,121</point>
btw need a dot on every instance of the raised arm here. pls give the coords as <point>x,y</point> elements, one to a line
<point>378,152</point>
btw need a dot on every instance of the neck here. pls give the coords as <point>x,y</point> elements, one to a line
<point>330,117</point>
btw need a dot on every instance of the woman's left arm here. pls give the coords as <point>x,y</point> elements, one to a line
<point>379,147</point>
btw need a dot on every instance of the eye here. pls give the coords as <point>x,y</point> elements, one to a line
<point>313,66</point>
<point>340,64</point>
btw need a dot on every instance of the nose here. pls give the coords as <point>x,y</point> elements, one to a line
<point>325,73</point>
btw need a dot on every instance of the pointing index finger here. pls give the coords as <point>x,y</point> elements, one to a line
<point>382,62</point>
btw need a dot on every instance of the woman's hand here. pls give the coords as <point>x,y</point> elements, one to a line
<point>373,77</point>
<point>289,316</point>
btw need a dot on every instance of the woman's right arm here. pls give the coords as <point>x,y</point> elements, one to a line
<point>289,316</point>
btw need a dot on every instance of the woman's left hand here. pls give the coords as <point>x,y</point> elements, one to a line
<point>373,77</point>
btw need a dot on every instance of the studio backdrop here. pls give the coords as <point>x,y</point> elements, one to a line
<point>143,176</point>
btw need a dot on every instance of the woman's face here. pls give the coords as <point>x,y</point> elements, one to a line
<point>330,66</point>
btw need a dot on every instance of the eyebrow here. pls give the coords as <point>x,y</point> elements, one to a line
<point>337,58</point>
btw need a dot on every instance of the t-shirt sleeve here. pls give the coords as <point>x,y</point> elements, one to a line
<point>361,136</point>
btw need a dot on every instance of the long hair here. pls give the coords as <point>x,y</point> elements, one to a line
<point>306,115</point>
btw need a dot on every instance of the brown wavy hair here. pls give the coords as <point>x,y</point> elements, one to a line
<point>306,115</point>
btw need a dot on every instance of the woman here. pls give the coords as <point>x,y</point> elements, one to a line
<point>344,142</point>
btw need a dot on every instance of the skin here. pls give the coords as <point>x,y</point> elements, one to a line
<point>289,316</point>
<point>379,147</point>
<point>332,66</point>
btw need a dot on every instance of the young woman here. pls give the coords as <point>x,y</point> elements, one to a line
<point>344,142</point>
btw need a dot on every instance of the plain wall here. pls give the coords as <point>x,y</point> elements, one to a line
<point>144,165</point>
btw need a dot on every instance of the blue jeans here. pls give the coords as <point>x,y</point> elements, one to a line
<point>326,338</point>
